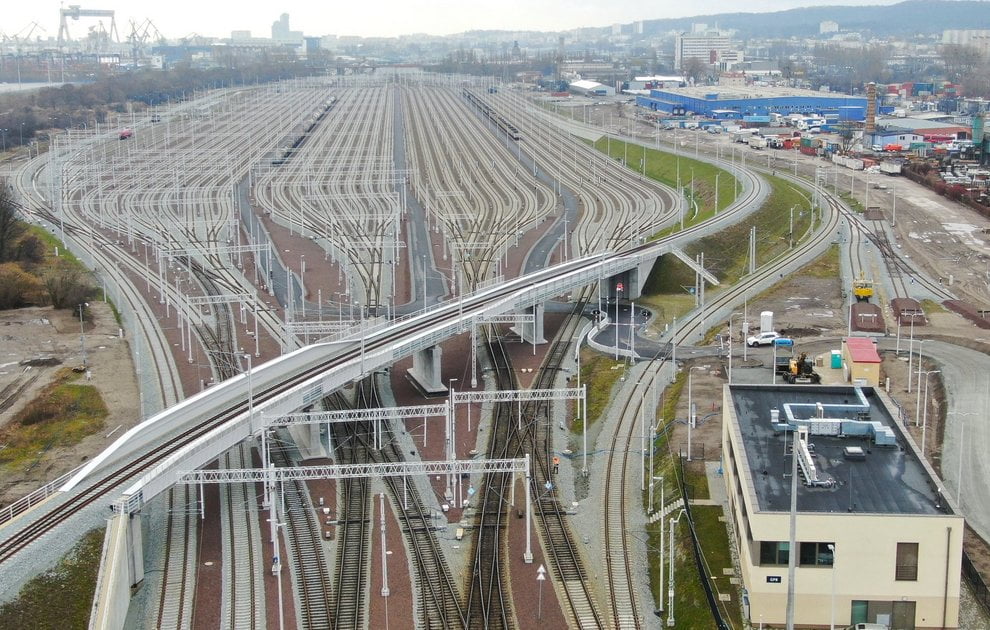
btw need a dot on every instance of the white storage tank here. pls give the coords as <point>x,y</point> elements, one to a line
<point>766,321</point>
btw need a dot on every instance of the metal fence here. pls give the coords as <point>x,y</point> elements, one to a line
<point>687,491</point>
<point>980,590</point>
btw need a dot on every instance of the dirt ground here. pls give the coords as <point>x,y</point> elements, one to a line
<point>44,333</point>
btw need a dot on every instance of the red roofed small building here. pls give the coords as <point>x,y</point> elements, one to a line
<point>859,354</point>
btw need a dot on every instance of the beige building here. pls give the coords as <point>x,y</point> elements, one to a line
<point>861,361</point>
<point>876,540</point>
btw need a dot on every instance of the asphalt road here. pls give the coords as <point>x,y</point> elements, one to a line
<point>966,374</point>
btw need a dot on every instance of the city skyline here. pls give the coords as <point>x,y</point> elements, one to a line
<point>388,19</point>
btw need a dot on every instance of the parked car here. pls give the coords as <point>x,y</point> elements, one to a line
<point>762,339</point>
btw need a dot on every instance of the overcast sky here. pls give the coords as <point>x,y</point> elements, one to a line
<point>178,18</point>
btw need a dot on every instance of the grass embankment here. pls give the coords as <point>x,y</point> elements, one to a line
<point>56,248</point>
<point>691,606</point>
<point>727,252</point>
<point>63,414</point>
<point>599,373</point>
<point>667,168</point>
<point>931,306</point>
<point>61,597</point>
<point>852,202</point>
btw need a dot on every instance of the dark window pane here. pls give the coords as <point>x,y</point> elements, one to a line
<point>768,552</point>
<point>809,552</point>
<point>907,562</point>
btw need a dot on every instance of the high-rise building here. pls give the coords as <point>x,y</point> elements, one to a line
<point>708,47</point>
<point>282,34</point>
<point>978,39</point>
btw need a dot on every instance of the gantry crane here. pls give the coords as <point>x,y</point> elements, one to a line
<point>75,12</point>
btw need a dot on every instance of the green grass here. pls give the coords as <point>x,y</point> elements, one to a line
<point>931,306</point>
<point>666,168</point>
<point>61,597</point>
<point>52,243</point>
<point>691,606</point>
<point>62,415</point>
<point>825,266</point>
<point>599,373</point>
<point>726,253</point>
<point>694,476</point>
<point>852,202</point>
<point>665,308</point>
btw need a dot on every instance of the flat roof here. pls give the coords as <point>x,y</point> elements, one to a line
<point>890,480</point>
<point>918,124</point>
<point>733,92</point>
<point>584,84</point>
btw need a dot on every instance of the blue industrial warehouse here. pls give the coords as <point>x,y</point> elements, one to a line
<point>736,102</point>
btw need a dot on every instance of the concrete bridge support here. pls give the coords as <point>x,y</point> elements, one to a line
<point>307,439</point>
<point>425,371</point>
<point>532,332</point>
<point>121,568</point>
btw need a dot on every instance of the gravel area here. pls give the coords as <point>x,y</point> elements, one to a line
<point>42,333</point>
<point>398,608</point>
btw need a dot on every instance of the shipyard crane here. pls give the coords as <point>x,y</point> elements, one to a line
<point>140,34</point>
<point>75,12</point>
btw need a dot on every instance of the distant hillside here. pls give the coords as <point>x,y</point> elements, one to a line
<point>905,18</point>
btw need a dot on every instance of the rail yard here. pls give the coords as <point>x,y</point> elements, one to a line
<point>264,242</point>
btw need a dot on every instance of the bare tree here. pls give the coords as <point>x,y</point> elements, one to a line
<point>10,227</point>
<point>66,285</point>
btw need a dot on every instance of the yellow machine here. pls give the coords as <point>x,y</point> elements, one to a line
<point>862,288</point>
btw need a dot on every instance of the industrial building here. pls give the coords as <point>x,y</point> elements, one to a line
<point>877,540</point>
<point>591,88</point>
<point>929,130</point>
<point>752,101</point>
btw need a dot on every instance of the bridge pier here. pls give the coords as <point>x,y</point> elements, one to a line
<point>532,332</point>
<point>135,549</point>
<point>425,371</point>
<point>122,568</point>
<point>308,440</point>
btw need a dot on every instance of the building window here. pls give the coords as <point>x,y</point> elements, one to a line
<point>815,554</point>
<point>907,562</point>
<point>773,553</point>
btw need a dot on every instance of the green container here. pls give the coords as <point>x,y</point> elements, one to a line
<point>836,360</point>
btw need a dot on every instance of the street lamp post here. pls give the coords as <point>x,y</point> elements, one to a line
<point>911,355</point>
<point>730,344</point>
<point>962,428</point>
<point>670,576</point>
<point>921,355</point>
<point>691,405</point>
<point>381,504</point>
<point>82,333</point>
<point>451,436</point>
<point>302,284</point>
<point>924,421</point>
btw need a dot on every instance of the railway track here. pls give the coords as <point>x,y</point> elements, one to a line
<point>309,569</point>
<point>262,395</point>
<point>177,592</point>
<point>354,526</point>
<point>243,605</point>
<point>486,600</point>
<point>438,602</point>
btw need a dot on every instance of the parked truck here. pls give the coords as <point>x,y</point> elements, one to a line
<point>757,142</point>
<point>890,168</point>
